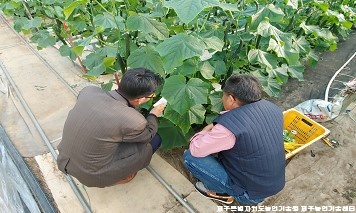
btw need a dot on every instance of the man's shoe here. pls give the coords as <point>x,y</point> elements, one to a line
<point>221,197</point>
<point>126,180</point>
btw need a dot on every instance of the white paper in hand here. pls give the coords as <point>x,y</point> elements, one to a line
<point>160,101</point>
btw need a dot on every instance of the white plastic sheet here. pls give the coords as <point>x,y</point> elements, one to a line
<point>322,110</point>
<point>15,196</point>
<point>319,110</point>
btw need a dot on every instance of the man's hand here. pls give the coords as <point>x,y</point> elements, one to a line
<point>158,110</point>
<point>208,127</point>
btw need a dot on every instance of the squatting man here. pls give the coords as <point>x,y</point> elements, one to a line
<point>240,156</point>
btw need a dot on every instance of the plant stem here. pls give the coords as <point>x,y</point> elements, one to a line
<point>57,31</point>
<point>91,15</point>
<point>28,12</point>
<point>121,62</point>
<point>127,41</point>
<point>258,40</point>
<point>290,22</point>
<point>70,40</point>
<point>26,9</point>
<point>205,20</point>
<point>111,13</point>
<point>300,32</point>
<point>257,5</point>
<point>236,52</point>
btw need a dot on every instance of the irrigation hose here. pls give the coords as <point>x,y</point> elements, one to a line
<point>170,189</point>
<point>45,139</point>
<point>336,73</point>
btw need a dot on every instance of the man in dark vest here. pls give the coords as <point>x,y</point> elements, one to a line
<point>241,154</point>
<point>105,139</point>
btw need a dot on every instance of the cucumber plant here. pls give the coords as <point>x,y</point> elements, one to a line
<point>193,45</point>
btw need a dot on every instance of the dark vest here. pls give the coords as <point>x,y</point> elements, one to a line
<point>256,163</point>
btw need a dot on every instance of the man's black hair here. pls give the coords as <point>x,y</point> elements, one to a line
<point>245,88</point>
<point>138,83</point>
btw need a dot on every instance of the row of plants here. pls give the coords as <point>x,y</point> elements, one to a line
<point>194,45</point>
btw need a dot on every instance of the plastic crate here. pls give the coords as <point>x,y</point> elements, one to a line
<point>308,131</point>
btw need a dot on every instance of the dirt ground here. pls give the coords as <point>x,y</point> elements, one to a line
<point>33,166</point>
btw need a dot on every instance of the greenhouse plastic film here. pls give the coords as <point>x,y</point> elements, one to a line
<point>15,196</point>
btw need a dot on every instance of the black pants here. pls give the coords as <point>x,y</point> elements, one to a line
<point>156,142</point>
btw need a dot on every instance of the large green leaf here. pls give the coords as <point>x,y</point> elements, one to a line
<point>214,31</point>
<point>97,70</point>
<point>209,118</point>
<point>301,45</point>
<point>274,14</point>
<point>49,11</point>
<point>349,12</point>
<point>78,25</point>
<point>8,6</point>
<point>93,59</point>
<point>107,86</point>
<point>85,41</point>
<point>147,25</point>
<point>312,58</point>
<point>25,25</point>
<point>327,35</point>
<point>207,71</point>
<point>107,51</point>
<point>43,39</point>
<point>271,87</point>
<point>213,43</point>
<point>228,6</point>
<point>48,2</point>
<point>176,49</point>
<point>69,9</point>
<point>32,23</point>
<point>78,50</point>
<point>317,31</point>
<point>181,95</point>
<point>293,3</point>
<point>220,67</point>
<point>216,102</point>
<point>108,21</point>
<point>279,73</point>
<point>97,63</point>
<point>339,17</point>
<point>187,10</point>
<point>148,58</point>
<point>265,29</point>
<point>284,51</point>
<point>269,83</point>
<point>67,51</point>
<point>18,23</point>
<point>172,136</point>
<point>322,5</point>
<point>296,71</point>
<point>109,61</point>
<point>188,68</point>
<point>195,115</point>
<point>261,57</point>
